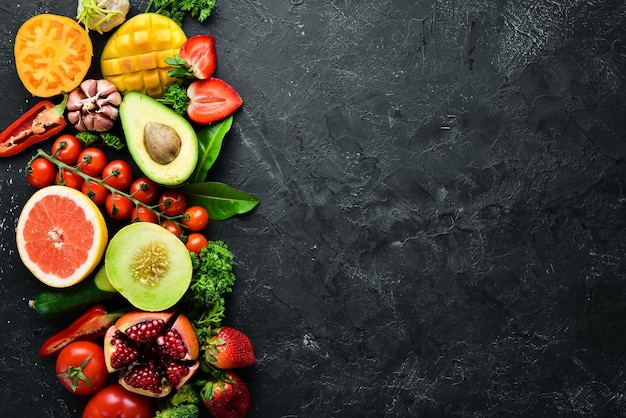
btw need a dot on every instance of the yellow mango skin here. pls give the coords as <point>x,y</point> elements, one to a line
<point>134,56</point>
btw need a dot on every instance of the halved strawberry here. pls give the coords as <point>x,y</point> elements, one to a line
<point>230,349</point>
<point>211,100</point>
<point>200,54</point>
<point>227,396</point>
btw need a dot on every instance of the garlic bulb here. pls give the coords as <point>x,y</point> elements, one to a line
<point>94,106</point>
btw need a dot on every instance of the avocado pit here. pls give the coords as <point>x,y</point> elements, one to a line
<point>162,142</point>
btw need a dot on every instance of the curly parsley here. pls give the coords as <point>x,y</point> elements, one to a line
<point>178,9</point>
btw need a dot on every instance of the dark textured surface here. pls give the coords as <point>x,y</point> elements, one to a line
<point>442,208</point>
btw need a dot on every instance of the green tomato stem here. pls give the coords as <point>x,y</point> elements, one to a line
<point>102,182</point>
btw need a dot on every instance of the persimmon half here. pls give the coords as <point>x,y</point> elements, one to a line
<point>52,54</point>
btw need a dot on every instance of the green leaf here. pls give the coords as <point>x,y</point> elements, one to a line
<point>220,200</point>
<point>210,141</point>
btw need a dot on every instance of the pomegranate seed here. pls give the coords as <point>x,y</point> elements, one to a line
<point>145,331</point>
<point>144,376</point>
<point>175,372</point>
<point>172,345</point>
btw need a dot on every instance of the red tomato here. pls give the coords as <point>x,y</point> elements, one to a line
<point>195,218</point>
<point>96,192</point>
<point>172,203</point>
<point>67,148</point>
<point>118,207</point>
<point>92,161</point>
<point>143,214</point>
<point>41,172</point>
<point>144,190</point>
<point>118,174</point>
<point>171,226</point>
<point>196,242</point>
<point>114,401</point>
<point>68,178</point>
<point>81,367</point>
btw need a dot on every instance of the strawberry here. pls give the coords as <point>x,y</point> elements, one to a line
<point>211,100</point>
<point>230,349</point>
<point>227,396</point>
<point>200,54</point>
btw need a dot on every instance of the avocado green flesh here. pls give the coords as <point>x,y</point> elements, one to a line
<point>132,246</point>
<point>136,111</point>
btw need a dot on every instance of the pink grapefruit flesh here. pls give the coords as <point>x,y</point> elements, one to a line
<point>61,236</point>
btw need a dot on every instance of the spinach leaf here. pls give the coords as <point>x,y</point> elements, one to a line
<point>220,200</point>
<point>209,145</point>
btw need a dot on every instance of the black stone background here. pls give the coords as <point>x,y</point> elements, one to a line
<point>442,217</point>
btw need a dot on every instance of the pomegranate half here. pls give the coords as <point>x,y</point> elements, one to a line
<point>155,351</point>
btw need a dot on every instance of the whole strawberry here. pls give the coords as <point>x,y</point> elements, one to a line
<point>227,396</point>
<point>230,349</point>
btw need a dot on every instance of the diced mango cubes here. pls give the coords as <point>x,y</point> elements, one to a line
<point>134,56</point>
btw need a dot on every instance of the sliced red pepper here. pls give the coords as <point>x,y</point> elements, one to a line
<point>42,121</point>
<point>91,325</point>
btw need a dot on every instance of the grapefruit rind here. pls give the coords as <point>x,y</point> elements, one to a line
<point>87,212</point>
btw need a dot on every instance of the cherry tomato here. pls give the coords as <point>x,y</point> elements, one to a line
<point>68,178</point>
<point>92,161</point>
<point>81,367</point>
<point>196,242</point>
<point>143,214</point>
<point>115,401</point>
<point>67,148</point>
<point>41,172</point>
<point>195,218</point>
<point>96,192</point>
<point>172,203</point>
<point>118,174</point>
<point>118,207</point>
<point>144,190</point>
<point>172,226</point>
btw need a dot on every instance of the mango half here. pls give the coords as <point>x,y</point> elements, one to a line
<point>134,56</point>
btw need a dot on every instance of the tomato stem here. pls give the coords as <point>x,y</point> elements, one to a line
<point>102,182</point>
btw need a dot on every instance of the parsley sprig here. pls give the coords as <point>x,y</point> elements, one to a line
<point>177,9</point>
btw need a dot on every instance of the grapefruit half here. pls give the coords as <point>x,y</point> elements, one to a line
<point>61,235</point>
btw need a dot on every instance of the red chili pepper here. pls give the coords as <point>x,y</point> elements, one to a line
<point>90,325</point>
<point>41,122</point>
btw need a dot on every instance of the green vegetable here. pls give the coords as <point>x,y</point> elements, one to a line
<point>210,140</point>
<point>182,404</point>
<point>92,139</point>
<point>181,411</point>
<point>177,9</point>
<point>212,279</point>
<point>175,97</point>
<point>55,302</point>
<point>220,200</point>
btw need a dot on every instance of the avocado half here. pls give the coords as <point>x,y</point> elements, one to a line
<point>162,143</point>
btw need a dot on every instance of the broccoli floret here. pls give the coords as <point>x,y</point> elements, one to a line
<point>182,404</point>
<point>180,411</point>
<point>186,394</point>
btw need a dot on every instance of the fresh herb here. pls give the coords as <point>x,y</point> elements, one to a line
<point>212,279</point>
<point>178,9</point>
<point>180,68</point>
<point>175,97</point>
<point>92,139</point>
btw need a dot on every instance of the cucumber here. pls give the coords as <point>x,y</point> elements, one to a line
<point>55,302</point>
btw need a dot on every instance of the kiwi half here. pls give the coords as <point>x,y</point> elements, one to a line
<point>148,265</point>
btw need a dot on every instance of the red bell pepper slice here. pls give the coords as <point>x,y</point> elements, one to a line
<point>90,325</point>
<point>42,121</point>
